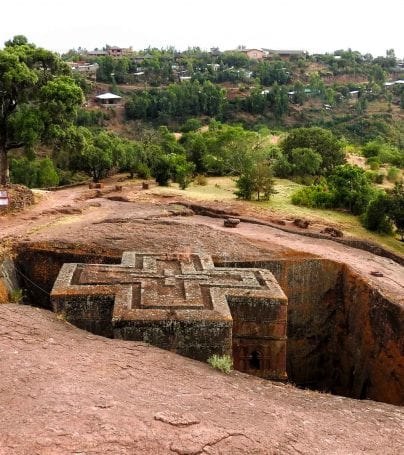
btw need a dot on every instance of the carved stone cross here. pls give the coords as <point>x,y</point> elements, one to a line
<point>177,302</point>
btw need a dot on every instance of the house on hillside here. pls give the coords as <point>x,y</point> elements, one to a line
<point>86,69</point>
<point>97,53</point>
<point>285,54</point>
<point>254,54</point>
<point>108,99</point>
<point>113,51</point>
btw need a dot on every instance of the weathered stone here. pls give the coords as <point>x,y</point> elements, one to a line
<point>304,224</point>
<point>69,210</point>
<point>231,222</point>
<point>177,420</point>
<point>183,304</point>
<point>376,273</point>
<point>333,232</point>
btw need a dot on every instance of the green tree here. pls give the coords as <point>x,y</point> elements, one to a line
<point>279,101</point>
<point>37,98</point>
<point>305,161</point>
<point>196,149</point>
<point>132,158</point>
<point>318,139</point>
<point>182,170</point>
<point>351,188</point>
<point>94,153</point>
<point>34,173</point>
<point>376,217</point>
<point>396,208</point>
<point>162,170</point>
<point>256,179</point>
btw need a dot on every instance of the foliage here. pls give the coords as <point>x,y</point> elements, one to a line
<point>319,140</point>
<point>162,170</point>
<point>182,170</point>
<point>91,118</point>
<point>223,363</point>
<point>351,188</point>
<point>16,295</point>
<point>38,173</point>
<point>200,180</point>
<point>375,217</point>
<point>383,152</point>
<point>256,180</point>
<point>315,196</point>
<point>346,187</point>
<point>392,174</point>
<point>192,124</point>
<point>282,168</point>
<point>188,98</point>
<point>396,208</point>
<point>37,94</point>
<point>270,72</point>
<point>305,161</point>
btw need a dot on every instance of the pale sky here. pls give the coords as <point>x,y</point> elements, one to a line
<point>313,25</point>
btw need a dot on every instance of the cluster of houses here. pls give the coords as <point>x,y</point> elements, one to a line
<point>253,54</point>
<point>88,70</point>
<point>113,51</point>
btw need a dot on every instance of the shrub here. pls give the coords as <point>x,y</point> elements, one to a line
<point>282,168</point>
<point>223,363</point>
<point>201,180</point>
<point>371,176</point>
<point>379,179</point>
<point>351,187</point>
<point>375,217</point>
<point>305,161</point>
<point>373,162</point>
<point>316,196</point>
<point>34,173</point>
<point>16,296</point>
<point>143,171</point>
<point>192,124</point>
<point>392,174</point>
<point>371,149</point>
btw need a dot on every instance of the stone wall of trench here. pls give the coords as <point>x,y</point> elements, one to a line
<point>344,337</point>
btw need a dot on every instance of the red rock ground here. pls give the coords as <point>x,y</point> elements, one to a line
<point>64,391</point>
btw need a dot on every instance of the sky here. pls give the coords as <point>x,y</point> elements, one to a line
<point>312,25</point>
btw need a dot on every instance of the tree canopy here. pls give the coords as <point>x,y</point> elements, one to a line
<point>319,140</point>
<point>38,98</point>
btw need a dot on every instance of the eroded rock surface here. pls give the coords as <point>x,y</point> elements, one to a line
<point>63,390</point>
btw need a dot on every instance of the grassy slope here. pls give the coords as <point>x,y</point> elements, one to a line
<point>221,189</point>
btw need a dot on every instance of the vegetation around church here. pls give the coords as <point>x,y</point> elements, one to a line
<point>332,123</point>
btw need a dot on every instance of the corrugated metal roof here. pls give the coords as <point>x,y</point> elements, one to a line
<point>108,96</point>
